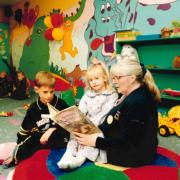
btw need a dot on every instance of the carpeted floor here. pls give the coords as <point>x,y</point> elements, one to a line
<point>10,125</point>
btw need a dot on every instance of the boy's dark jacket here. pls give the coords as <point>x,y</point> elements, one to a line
<point>36,119</point>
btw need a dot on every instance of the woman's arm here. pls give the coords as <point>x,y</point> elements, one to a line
<point>94,140</point>
<point>129,131</point>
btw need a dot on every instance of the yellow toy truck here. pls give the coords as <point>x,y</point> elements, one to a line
<point>170,124</point>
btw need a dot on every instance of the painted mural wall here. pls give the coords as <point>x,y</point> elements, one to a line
<point>84,29</point>
<point>4,45</point>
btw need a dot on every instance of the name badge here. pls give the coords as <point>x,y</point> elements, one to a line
<point>110,119</point>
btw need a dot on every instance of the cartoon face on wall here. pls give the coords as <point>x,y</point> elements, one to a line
<point>100,32</point>
<point>107,17</point>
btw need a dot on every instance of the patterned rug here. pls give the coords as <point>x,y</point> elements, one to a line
<point>42,165</point>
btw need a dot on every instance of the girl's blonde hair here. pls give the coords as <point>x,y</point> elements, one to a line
<point>133,67</point>
<point>93,70</point>
<point>45,78</point>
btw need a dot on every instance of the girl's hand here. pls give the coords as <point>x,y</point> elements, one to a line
<point>86,139</point>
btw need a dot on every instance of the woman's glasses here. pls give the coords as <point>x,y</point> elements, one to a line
<point>118,77</point>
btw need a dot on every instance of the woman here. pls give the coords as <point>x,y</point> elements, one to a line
<point>130,128</point>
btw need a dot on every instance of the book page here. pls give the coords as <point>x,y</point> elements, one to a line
<point>73,120</point>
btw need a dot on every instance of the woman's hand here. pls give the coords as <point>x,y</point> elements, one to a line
<point>86,139</point>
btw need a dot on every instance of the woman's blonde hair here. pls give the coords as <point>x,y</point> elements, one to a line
<point>45,78</point>
<point>133,67</point>
<point>93,70</point>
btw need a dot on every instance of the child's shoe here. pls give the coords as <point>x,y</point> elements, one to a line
<point>63,163</point>
<point>77,161</point>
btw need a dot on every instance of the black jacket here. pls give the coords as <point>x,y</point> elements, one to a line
<point>20,91</point>
<point>131,138</point>
<point>36,119</point>
<point>5,87</point>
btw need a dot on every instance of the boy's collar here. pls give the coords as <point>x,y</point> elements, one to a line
<point>93,94</point>
<point>53,102</point>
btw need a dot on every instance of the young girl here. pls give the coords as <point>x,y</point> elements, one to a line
<point>95,104</point>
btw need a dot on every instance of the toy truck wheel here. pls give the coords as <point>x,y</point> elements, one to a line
<point>164,131</point>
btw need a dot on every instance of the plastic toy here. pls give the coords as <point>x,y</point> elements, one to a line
<point>170,124</point>
<point>166,32</point>
<point>175,28</point>
<point>171,92</point>
<point>6,114</point>
<point>128,53</point>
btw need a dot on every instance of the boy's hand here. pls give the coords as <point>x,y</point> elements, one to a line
<point>44,138</point>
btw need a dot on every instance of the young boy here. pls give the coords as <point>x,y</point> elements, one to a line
<point>38,131</point>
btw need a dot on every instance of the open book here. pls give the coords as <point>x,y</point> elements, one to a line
<point>73,120</point>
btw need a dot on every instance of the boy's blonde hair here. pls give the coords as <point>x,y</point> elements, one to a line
<point>94,69</point>
<point>45,78</point>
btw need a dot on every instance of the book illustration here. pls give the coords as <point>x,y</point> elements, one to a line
<point>73,120</point>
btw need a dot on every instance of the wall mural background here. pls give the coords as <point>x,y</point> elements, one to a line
<point>4,44</point>
<point>87,31</point>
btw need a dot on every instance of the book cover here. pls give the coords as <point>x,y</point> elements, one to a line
<point>73,120</point>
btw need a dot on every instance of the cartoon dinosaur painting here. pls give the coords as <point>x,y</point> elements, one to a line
<point>36,56</point>
<point>113,15</point>
<point>100,34</point>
